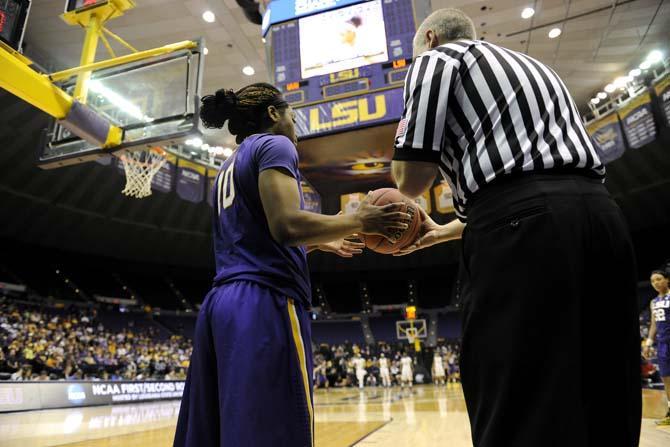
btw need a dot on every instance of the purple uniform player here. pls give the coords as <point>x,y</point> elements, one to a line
<point>249,380</point>
<point>659,331</point>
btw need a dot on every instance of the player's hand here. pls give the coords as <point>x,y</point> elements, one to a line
<point>382,220</point>
<point>430,233</point>
<point>344,248</point>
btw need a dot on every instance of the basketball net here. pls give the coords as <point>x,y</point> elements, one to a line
<point>411,335</point>
<point>141,167</point>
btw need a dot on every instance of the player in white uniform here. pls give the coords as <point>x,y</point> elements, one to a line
<point>384,371</point>
<point>439,377</point>
<point>406,371</point>
<point>359,363</point>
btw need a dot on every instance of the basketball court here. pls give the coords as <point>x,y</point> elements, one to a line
<point>422,417</point>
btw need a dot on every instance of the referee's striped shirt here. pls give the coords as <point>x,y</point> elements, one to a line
<point>482,111</point>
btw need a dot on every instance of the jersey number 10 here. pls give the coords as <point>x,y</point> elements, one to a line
<point>226,193</point>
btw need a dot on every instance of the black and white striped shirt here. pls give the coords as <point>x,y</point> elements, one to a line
<point>482,111</point>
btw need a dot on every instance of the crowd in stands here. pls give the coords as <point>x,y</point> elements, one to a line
<point>44,343</point>
<point>335,365</point>
<point>38,344</point>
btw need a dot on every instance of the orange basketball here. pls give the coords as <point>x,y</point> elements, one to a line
<point>403,238</point>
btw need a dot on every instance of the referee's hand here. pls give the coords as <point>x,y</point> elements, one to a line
<point>430,233</point>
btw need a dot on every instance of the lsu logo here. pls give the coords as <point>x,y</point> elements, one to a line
<point>347,113</point>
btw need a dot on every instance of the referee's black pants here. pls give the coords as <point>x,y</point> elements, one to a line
<point>551,351</point>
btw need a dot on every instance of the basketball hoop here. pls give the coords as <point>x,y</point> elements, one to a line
<point>411,335</point>
<point>141,167</point>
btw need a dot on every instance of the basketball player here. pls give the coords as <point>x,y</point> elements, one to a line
<point>504,131</point>
<point>659,331</point>
<point>438,369</point>
<point>255,319</point>
<point>406,377</point>
<point>384,371</point>
<point>451,367</point>
<point>359,363</point>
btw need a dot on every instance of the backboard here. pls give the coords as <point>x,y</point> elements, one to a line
<point>411,329</point>
<point>155,101</point>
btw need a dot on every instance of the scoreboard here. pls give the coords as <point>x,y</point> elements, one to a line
<point>13,17</point>
<point>341,64</point>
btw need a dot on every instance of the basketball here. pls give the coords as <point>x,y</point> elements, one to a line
<point>382,245</point>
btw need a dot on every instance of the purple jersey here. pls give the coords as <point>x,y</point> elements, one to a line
<point>243,245</point>
<point>660,307</point>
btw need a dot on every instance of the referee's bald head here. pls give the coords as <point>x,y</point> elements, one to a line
<point>442,26</point>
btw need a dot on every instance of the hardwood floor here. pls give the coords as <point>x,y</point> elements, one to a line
<point>425,416</point>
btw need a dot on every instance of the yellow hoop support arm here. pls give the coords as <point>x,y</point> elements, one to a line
<point>66,74</point>
<point>20,80</point>
<point>23,82</point>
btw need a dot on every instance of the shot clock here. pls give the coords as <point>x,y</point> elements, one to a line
<point>13,17</point>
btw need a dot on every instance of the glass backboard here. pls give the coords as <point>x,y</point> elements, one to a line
<point>155,101</point>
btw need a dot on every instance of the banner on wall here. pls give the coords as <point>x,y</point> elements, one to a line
<point>424,202</point>
<point>662,90</point>
<point>349,203</point>
<point>191,181</point>
<point>311,198</point>
<point>637,119</point>
<point>211,178</point>
<point>164,179</point>
<point>444,199</point>
<point>607,138</point>
<point>346,114</point>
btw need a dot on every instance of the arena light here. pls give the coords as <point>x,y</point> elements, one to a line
<point>248,70</point>
<point>527,13</point>
<point>595,101</point>
<point>195,142</point>
<point>602,95</point>
<point>208,16</point>
<point>655,57</point>
<point>645,65</point>
<point>634,72</point>
<point>205,51</point>
<point>554,33</point>
<point>122,103</point>
<point>621,81</point>
<point>609,88</point>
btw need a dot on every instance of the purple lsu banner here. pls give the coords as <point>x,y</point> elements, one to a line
<point>346,114</point>
<point>662,90</point>
<point>607,138</point>
<point>191,178</point>
<point>211,179</point>
<point>637,119</point>
<point>164,179</point>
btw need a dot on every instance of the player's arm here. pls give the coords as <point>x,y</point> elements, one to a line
<point>418,142</point>
<point>344,248</point>
<point>292,226</point>
<point>277,161</point>
<point>649,342</point>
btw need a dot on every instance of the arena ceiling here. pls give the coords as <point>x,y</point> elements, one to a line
<point>81,207</point>
<point>592,50</point>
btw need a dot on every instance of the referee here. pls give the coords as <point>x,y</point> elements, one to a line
<point>550,334</point>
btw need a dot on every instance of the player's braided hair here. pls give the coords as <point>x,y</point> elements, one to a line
<point>245,110</point>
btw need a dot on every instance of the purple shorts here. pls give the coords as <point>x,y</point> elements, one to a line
<point>249,382</point>
<point>663,350</point>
